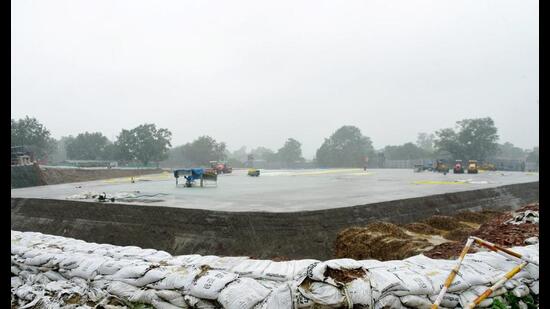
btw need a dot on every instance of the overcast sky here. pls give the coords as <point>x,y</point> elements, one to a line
<point>256,72</point>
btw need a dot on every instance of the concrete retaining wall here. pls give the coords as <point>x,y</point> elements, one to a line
<point>259,234</point>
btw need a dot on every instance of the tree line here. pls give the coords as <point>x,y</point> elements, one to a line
<point>346,147</point>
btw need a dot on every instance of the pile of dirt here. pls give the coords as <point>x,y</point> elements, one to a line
<point>460,234</point>
<point>444,223</point>
<point>448,250</point>
<point>381,241</point>
<point>479,217</point>
<point>421,228</point>
<point>66,175</point>
<point>495,230</point>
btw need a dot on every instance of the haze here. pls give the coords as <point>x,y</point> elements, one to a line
<point>255,73</point>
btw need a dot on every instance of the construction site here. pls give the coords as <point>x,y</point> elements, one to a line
<point>281,216</point>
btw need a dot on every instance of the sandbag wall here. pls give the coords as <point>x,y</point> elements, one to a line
<point>56,272</point>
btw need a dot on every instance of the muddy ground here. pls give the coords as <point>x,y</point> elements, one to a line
<point>441,237</point>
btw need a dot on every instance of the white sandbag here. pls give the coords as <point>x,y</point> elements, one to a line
<point>322,293</point>
<point>437,272</point>
<point>88,268</point>
<point>534,287</point>
<point>279,271</point>
<point>54,276</point>
<point>317,270</point>
<point>122,289</point>
<point>389,302</point>
<point>210,284</point>
<point>226,263</point>
<point>144,296</point>
<point>360,292</point>
<point>520,291</point>
<point>40,259</point>
<point>416,301</point>
<point>198,303</point>
<point>130,271</point>
<point>158,257</point>
<point>251,268</point>
<point>471,294</point>
<point>15,270</point>
<point>16,282</point>
<point>279,297</point>
<point>177,278</point>
<point>242,293</point>
<point>110,266</point>
<point>511,284</point>
<point>173,297</point>
<point>449,300</point>
<point>164,305</point>
<point>413,283</point>
<point>183,260</point>
<point>153,275</point>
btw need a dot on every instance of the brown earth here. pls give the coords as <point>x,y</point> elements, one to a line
<point>495,231</point>
<point>386,241</point>
<point>380,240</point>
<point>65,175</point>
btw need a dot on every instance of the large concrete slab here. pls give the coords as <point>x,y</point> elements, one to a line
<point>290,190</point>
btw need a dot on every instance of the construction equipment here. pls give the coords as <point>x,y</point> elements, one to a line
<point>458,169</point>
<point>441,167</point>
<point>194,174</point>
<point>488,167</point>
<point>253,172</point>
<point>21,155</point>
<point>221,167</point>
<point>472,167</point>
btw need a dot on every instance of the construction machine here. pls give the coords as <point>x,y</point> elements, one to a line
<point>254,172</point>
<point>458,169</point>
<point>472,167</point>
<point>488,167</point>
<point>221,167</point>
<point>441,167</point>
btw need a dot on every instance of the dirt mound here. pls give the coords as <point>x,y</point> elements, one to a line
<point>460,234</point>
<point>382,241</point>
<point>445,223</point>
<point>448,250</point>
<point>495,230</point>
<point>421,228</point>
<point>476,217</point>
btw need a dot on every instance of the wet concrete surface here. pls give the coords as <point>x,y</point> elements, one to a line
<point>289,190</point>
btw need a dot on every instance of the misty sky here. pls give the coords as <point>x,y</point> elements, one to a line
<point>256,72</point>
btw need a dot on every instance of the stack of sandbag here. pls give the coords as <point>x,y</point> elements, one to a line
<point>57,272</point>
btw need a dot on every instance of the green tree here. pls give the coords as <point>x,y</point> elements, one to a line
<point>203,150</point>
<point>87,146</point>
<point>263,153</point>
<point>407,151</point>
<point>474,139</point>
<point>346,147</point>
<point>290,153</point>
<point>60,152</point>
<point>31,133</point>
<point>509,151</point>
<point>533,156</point>
<point>144,143</point>
<point>425,141</point>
